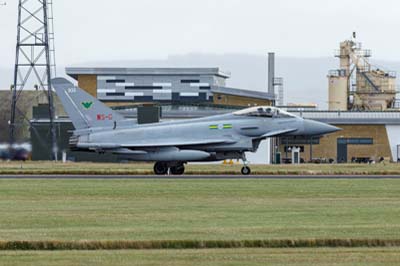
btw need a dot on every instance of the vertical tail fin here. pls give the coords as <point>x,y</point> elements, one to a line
<point>84,110</point>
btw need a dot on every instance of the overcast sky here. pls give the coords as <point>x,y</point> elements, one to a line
<point>99,30</point>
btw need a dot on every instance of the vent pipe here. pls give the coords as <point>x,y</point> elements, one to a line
<point>271,73</point>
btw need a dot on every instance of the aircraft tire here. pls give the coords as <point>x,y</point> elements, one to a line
<point>178,170</point>
<point>246,170</point>
<point>160,168</point>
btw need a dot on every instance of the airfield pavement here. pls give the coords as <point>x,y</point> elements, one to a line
<point>140,169</point>
<point>199,177</point>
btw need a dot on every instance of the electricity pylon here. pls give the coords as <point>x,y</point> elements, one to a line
<point>35,59</point>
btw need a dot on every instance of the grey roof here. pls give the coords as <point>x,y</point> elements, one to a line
<point>331,117</point>
<point>168,112</point>
<point>75,71</point>
<point>243,93</point>
<point>184,111</point>
<point>349,118</point>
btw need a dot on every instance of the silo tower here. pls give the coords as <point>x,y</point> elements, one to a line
<point>357,85</point>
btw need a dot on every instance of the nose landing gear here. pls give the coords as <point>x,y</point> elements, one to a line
<point>246,169</point>
<point>162,168</point>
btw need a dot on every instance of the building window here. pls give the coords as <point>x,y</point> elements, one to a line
<point>290,148</point>
<point>190,81</point>
<point>143,88</point>
<point>299,140</point>
<point>356,141</point>
<point>367,141</point>
<point>115,81</point>
<point>115,94</point>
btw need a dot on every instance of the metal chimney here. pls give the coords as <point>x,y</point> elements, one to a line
<point>271,73</point>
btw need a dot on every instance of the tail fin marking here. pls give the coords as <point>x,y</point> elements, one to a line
<point>83,109</point>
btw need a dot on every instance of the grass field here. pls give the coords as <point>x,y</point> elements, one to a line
<point>239,257</point>
<point>242,209</point>
<point>192,169</point>
<point>198,209</point>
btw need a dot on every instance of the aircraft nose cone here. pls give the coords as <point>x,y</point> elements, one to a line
<point>318,128</point>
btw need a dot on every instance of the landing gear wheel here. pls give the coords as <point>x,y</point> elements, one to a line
<point>178,170</point>
<point>246,170</point>
<point>160,168</point>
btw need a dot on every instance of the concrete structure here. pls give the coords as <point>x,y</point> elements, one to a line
<point>357,85</point>
<point>27,100</point>
<point>338,93</point>
<point>118,86</point>
<point>366,136</point>
<point>40,147</point>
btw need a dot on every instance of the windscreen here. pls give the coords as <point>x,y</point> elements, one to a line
<point>271,112</point>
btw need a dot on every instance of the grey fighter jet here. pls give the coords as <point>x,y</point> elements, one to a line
<point>173,144</point>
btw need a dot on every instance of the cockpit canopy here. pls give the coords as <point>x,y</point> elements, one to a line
<point>264,111</point>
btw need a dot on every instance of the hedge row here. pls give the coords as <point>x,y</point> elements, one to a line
<point>195,244</point>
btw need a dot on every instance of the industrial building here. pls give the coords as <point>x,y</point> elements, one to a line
<point>366,137</point>
<point>119,86</point>
<point>358,85</point>
<point>362,100</point>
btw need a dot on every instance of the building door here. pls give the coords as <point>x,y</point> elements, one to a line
<point>398,153</point>
<point>342,150</point>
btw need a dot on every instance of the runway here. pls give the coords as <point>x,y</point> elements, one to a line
<point>211,177</point>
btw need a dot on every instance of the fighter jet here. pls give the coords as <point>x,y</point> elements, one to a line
<point>172,144</point>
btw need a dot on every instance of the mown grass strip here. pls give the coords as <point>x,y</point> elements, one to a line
<point>111,172</point>
<point>50,168</point>
<point>197,244</point>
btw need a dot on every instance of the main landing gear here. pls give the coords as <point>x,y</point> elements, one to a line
<point>246,169</point>
<point>162,168</point>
